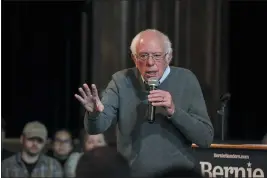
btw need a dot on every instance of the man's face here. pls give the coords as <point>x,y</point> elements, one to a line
<point>33,146</point>
<point>151,58</point>
<point>94,141</point>
<point>62,144</point>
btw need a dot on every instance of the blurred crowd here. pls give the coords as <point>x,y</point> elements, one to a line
<point>58,161</point>
<point>92,158</point>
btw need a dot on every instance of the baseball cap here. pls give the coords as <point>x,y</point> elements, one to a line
<point>35,129</point>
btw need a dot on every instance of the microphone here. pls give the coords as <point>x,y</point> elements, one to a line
<point>225,97</point>
<point>153,84</point>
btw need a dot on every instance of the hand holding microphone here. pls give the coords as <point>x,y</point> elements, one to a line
<point>159,98</point>
<point>153,84</point>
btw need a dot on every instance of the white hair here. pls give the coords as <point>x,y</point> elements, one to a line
<point>166,41</point>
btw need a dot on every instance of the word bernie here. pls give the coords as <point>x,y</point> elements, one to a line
<point>208,169</point>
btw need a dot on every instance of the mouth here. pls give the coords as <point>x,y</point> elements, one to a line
<point>151,74</point>
<point>34,149</point>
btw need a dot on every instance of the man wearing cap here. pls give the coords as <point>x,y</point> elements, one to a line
<point>30,161</point>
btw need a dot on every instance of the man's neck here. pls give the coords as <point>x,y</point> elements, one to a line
<point>29,159</point>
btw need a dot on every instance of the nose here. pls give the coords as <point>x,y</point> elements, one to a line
<point>150,61</point>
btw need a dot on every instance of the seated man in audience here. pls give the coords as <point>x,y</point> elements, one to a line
<point>30,162</point>
<point>102,162</point>
<point>62,146</point>
<point>5,153</point>
<point>89,142</point>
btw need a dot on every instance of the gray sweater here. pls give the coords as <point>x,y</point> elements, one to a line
<point>166,142</point>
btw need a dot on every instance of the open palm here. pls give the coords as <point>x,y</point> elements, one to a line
<point>90,100</point>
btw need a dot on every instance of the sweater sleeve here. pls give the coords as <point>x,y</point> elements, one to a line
<point>194,123</point>
<point>100,122</point>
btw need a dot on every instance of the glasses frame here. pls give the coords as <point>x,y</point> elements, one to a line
<point>152,55</point>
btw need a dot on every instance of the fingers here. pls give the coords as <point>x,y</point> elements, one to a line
<point>156,91</point>
<point>155,95</point>
<point>79,98</point>
<point>159,101</point>
<point>82,92</point>
<point>87,89</point>
<point>87,93</point>
<point>89,98</point>
<point>163,104</point>
<point>156,99</point>
<point>94,92</point>
<point>159,98</point>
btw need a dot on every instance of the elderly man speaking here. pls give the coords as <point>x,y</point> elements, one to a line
<point>181,116</point>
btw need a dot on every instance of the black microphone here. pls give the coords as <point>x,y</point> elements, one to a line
<point>225,97</point>
<point>153,84</point>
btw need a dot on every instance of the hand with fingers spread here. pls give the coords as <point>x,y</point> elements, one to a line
<point>162,98</point>
<point>90,100</point>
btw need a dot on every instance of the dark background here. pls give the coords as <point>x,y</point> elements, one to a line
<point>247,56</point>
<point>41,65</point>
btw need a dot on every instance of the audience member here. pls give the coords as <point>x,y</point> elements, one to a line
<point>102,162</point>
<point>89,142</point>
<point>30,161</point>
<point>62,146</point>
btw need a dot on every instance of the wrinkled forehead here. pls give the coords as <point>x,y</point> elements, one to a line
<point>151,43</point>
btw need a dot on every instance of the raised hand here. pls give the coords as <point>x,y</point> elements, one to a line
<point>90,100</point>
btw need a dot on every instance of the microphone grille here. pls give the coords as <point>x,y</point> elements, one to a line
<point>153,82</point>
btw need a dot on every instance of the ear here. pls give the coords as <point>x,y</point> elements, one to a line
<point>133,58</point>
<point>169,58</point>
<point>21,139</point>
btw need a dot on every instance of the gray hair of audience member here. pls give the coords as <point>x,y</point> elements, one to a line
<point>84,135</point>
<point>165,38</point>
<point>102,162</point>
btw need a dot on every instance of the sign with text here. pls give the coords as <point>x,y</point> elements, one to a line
<point>232,163</point>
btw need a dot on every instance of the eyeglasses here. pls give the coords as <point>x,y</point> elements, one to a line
<point>61,141</point>
<point>155,56</point>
